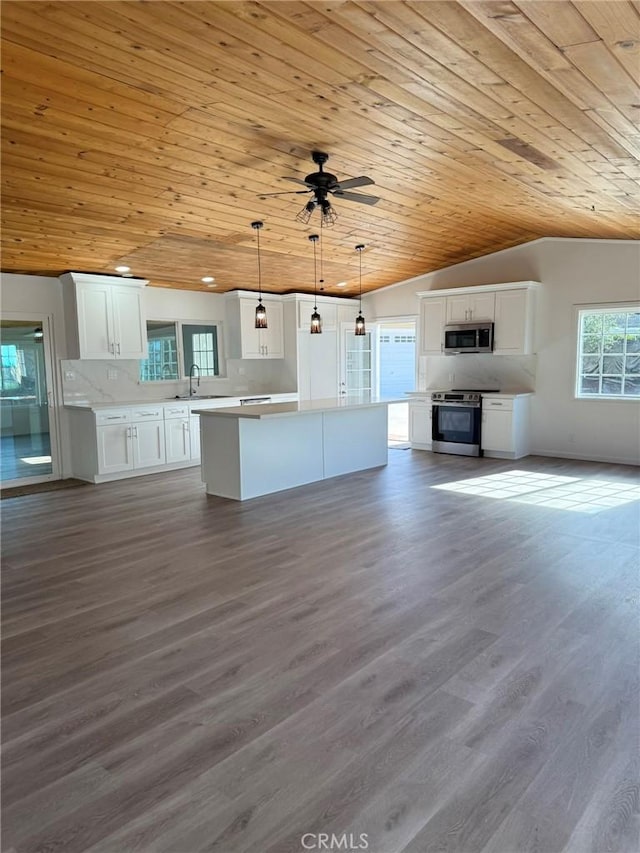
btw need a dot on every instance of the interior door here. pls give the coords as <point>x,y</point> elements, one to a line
<point>357,361</point>
<point>28,435</point>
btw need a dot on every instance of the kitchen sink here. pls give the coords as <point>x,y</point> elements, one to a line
<point>199,397</point>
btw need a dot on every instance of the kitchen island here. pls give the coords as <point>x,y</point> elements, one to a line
<point>248,451</point>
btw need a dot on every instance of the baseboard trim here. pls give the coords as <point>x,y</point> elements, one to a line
<point>582,457</point>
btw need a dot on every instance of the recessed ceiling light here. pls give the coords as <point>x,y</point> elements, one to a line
<point>123,269</point>
<point>127,275</point>
<point>207,279</point>
<point>341,284</point>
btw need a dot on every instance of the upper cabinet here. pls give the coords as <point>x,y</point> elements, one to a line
<point>469,308</point>
<point>243,339</point>
<point>433,313</point>
<point>513,329</point>
<point>511,307</point>
<point>105,316</point>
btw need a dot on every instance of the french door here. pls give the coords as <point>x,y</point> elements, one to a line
<point>357,361</point>
<point>28,436</point>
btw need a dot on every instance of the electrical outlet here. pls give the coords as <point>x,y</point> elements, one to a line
<point>69,376</point>
<point>242,371</point>
<point>112,373</point>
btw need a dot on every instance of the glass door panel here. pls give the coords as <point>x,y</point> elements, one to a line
<point>25,435</point>
<point>358,360</point>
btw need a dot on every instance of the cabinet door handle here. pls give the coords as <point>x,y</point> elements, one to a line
<point>491,403</point>
<point>135,434</point>
<point>112,348</point>
<point>118,347</point>
<point>128,432</point>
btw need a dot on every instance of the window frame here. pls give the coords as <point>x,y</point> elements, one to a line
<point>182,374</point>
<point>600,308</point>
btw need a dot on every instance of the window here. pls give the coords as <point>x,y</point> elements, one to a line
<point>12,367</point>
<point>167,362</point>
<point>162,362</point>
<point>609,352</point>
<point>200,346</point>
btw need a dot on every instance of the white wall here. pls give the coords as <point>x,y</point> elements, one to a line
<point>573,272</point>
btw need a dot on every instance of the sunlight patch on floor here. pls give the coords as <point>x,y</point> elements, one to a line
<point>575,494</point>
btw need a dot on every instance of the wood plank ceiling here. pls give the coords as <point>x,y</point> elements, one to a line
<point>142,133</point>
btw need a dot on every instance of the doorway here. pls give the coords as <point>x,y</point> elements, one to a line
<point>27,451</point>
<point>397,372</point>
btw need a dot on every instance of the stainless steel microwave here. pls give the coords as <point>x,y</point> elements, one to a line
<point>468,337</point>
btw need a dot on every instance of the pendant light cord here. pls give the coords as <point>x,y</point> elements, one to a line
<point>315,278</point>
<point>321,264</point>
<point>259,268</point>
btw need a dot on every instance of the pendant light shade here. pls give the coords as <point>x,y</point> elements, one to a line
<point>360,325</point>
<point>261,311</point>
<point>316,319</point>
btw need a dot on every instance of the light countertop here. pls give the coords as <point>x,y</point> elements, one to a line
<point>304,407</point>
<point>171,401</point>
<point>506,394</point>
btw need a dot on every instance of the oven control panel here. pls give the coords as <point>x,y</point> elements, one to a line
<point>456,397</point>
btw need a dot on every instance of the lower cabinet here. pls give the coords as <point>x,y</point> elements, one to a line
<point>177,437</point>
<point>115,449</point>
<point>109,444</point>
<point>504,433</point>
<point>194,436</point>
<point>148,444</point>
<point>420,435</point>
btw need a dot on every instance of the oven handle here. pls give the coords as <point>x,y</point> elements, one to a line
<point>456,404</point>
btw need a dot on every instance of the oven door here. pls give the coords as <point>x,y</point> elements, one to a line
<point>456,428</point>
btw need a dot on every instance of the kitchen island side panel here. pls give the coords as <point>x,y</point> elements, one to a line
<point>280,453</point>
<point>220,456</point>
<point>355,439</point>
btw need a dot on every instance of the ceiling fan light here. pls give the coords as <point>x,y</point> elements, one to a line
<point>305,214</point>
<point>329,215</point>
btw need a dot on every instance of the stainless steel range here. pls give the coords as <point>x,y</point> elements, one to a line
<point>456,418</point>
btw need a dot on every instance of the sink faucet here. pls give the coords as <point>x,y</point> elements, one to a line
<point>192,391</point>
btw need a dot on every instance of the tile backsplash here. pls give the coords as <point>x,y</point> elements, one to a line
<point>118,381</point>
<point>507,373</point>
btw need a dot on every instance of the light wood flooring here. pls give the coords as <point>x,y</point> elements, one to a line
<point>441,671</point>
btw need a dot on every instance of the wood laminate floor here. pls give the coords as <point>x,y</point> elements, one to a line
<point>439,669</point>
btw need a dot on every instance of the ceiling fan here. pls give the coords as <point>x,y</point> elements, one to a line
<point>321,185</point>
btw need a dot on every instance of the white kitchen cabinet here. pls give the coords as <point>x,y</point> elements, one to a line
<point>177,439</point>
<point>469,308</point>
<point>194,436</point>
<point>244,340</point>
<point>328,312</point>
<point>513,330</point>
<point>318,365</point>
<point>105,316</point>
<point>420,435</point>
<point>115,450</point>
<point>432,320</point>
<point>504,432</point>
<point>177,433</point>
<point>148,444</point>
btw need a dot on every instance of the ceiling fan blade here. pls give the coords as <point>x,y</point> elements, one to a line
<point>363,199</point>
<point>352,183</point>
<point>289,192</point>
<point>295,180</point>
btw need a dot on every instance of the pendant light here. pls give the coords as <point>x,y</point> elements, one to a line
<point>316,319</point>
<point>360,327</point>
<point>261,311</point>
